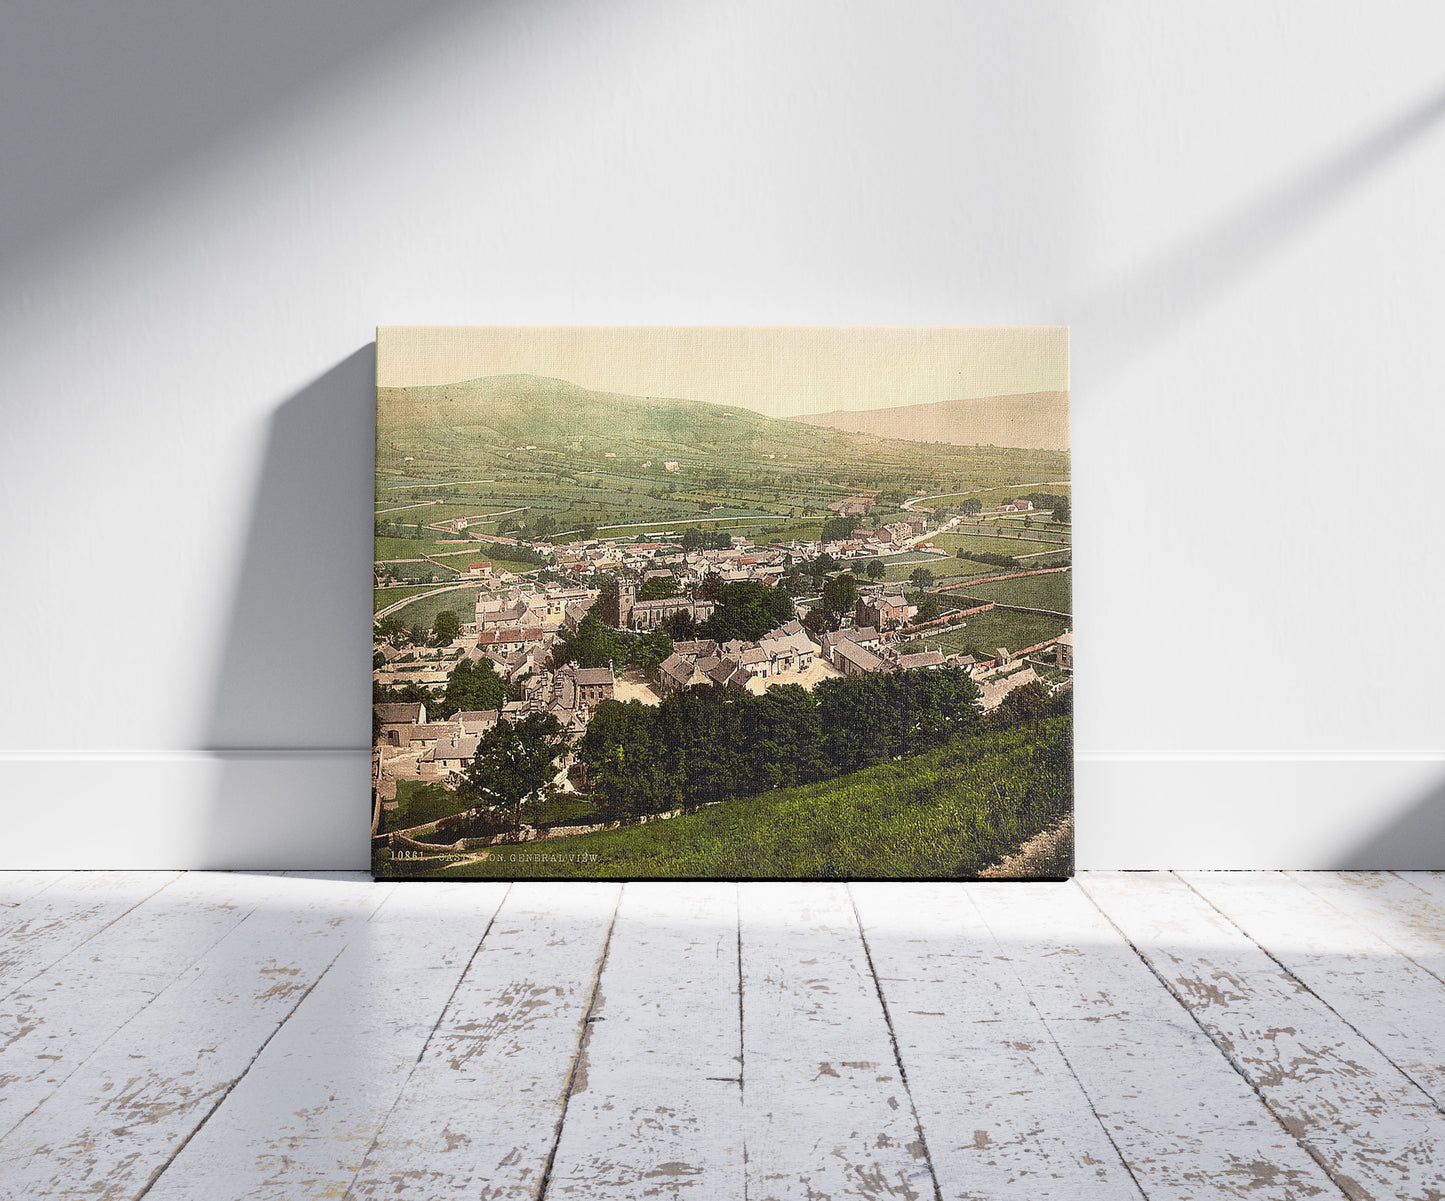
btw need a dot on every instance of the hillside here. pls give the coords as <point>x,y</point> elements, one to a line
<point>941,814</point>
<point>1035,420</point>
<point>502,413</point>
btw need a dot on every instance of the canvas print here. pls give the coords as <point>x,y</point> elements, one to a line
<point>722,603</point>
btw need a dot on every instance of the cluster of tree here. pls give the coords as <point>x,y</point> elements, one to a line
<point>443,631</point>
<point>516,554</point>
<point>595,644</point>
<point>928,607</point>
<point>971,507</point>
<point>747,609</point>
<point>1047,500</point>
<point>694,539</point>
<point>803,579</point>
<point>397,529</point>
<point>660,587</point>
<point>701,746</point>
<point>836,529</point>
<point>876,569</point>
<point>472,687</point>
<point>987,556</point>
<point>840,594</point>
<point>1029,702</point>
<point>921,577</point>
<point>408,573</point>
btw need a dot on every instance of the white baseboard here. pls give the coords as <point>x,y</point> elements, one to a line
<point>1305,810</point>
<point>185,809</point>
<point>311,809</point>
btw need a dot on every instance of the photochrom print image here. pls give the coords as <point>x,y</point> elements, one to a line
<point>722,603</point>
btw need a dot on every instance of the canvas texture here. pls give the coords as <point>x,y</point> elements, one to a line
<point>722,603</point>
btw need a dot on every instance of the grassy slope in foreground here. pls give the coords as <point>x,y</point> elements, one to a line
<point>945,813</point>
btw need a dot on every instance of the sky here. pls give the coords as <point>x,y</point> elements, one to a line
<point>777,370</point>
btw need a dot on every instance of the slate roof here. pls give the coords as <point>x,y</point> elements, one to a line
<point>406,713</point>
<point>859,656</point>
<point>920,659</point>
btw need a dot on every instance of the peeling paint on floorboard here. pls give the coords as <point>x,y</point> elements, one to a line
<point>1272,1036</point>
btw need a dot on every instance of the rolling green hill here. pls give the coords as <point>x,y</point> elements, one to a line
<point>508,412</point>
<point>494,421</point>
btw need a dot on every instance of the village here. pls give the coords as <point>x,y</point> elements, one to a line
<point>661,582</point>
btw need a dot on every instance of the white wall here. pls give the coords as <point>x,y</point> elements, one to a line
<point>206,207</point>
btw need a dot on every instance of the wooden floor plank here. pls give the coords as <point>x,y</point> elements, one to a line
<point>50,1025</point>
<point>479,1115</point>
<point>826,1111</point>
<point>16,887</point>
<point>1187,1125</point>
<point>124,1114</point>
<point>299,1124</point>
<point>47,925</point>
<point>1375,1131</point>
<point>655,1109</point>
<point>1404,909</point>
<point>1001,1113</point>
<point>1392,1002</point>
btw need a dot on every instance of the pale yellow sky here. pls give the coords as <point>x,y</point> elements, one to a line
<point>778,370</point>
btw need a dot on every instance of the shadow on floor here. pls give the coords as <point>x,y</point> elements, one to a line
<point>1412,842</point>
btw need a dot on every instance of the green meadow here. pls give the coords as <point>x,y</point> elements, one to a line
<point>950,812</point>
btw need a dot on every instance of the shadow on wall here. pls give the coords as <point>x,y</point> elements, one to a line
<point>288,723</point>
<point>1129,317</point>
<point>118,97</point>
<point>1414,841</point>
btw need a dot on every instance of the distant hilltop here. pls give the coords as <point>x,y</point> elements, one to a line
<point>530,408</point>
<point>1034,420</point>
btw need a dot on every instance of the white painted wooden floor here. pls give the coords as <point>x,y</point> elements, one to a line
<point>1190,1035</point>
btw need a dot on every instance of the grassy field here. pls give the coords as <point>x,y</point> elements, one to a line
<point>381,597</point>
<point>942,814</point>
<point>461,601</point>
<point>438,511</point>
<point>1036,524</point>
<point>419,802</point>
<point>984,543</point>
<point>1034,592</point>
<point>417,548</point>
<point>993,497</point>
<point>480,556</point>
<point>988,631</point>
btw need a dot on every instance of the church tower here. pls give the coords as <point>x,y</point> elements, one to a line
<point>626,599</point>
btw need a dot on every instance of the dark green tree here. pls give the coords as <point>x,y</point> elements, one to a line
<point>840,593</point>
<point>513,765</point>
<point>660,587</point>
<point>472,687</point>
<point>747,609</point>
<point>446,627</point>
<point>876,570</point>
<point>921,577</point>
